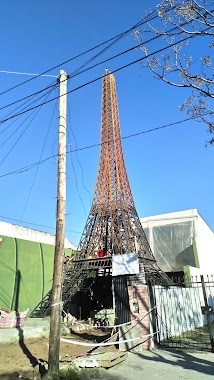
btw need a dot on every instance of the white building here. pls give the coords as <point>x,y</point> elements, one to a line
<point>181,242</point>
<point>18,232</point>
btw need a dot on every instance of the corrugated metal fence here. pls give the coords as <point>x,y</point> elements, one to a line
<point>185,314</point>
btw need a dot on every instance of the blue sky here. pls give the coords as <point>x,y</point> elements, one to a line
<point>169,170</point>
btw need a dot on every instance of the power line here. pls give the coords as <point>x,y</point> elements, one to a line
<point>33,102</point>
<point>30,74</point>
<point>35,224</point>
<point>29,102</point>
<point>31,166</point>
<point>25,129</point>
<point>78,72</point>
<point>113,71</point>
<point>75,176</point>
<point>28,96</point>
<point>86,51</point>
<point>37,168</point>
<point>76,146</point>
<point>77,188</point>
<point>74,74</point>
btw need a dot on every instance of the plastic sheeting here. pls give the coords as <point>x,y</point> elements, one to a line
<point>172,244</point>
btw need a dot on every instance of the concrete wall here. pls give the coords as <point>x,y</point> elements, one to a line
<point>205,247</point>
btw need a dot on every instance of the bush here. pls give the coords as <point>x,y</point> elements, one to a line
<point>91,373</point>
<point>63,374</point>
<point>73,373</point>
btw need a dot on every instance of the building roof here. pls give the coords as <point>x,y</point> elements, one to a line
<point>172,217</point>
<point>19,232</point>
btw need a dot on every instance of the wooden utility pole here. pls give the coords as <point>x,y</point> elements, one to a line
<point>56,304</point>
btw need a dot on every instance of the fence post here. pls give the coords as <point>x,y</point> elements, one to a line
<point>209,321</point>
<point>153,313</point>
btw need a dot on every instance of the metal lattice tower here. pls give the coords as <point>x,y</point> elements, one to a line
<point>113,223</point>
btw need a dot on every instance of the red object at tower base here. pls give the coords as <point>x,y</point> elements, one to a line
<point>102,253</point>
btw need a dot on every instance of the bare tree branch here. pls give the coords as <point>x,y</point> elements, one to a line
<point>183,66</point>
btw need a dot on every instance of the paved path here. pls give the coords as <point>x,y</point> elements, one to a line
<point>165,365</point>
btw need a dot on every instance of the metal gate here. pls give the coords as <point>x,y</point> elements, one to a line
<point>122,308</point>
<point>185,314</point>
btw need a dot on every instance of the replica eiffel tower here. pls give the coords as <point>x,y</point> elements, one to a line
<point>113,223</point>
<point>113,226</point>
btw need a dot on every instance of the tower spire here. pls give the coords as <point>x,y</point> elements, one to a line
<point>112,184</point>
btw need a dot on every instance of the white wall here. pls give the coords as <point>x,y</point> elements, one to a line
<point>172,217</point>
<point>205,247</point>
<point>11,230</point>
<point>194,272</point>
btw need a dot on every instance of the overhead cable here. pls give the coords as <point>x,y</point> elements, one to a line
<point>37,168</point>
<point>79,71</point>
<point>31,166</point>
<point>139,23</point>
<point>100,77</point>
<point>36,111</point>
<point>36,224</point>
<point>76,72</point>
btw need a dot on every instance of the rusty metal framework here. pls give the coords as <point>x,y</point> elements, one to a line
<point>113,223</point>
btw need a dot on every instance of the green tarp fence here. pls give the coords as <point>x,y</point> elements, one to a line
<point>26,272</point>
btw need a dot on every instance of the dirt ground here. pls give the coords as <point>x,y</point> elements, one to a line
<point>28,359</point>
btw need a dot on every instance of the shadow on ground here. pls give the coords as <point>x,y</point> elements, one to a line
<point>184,359</point>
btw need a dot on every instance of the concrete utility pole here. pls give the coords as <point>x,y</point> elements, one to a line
<point>56,304</point>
